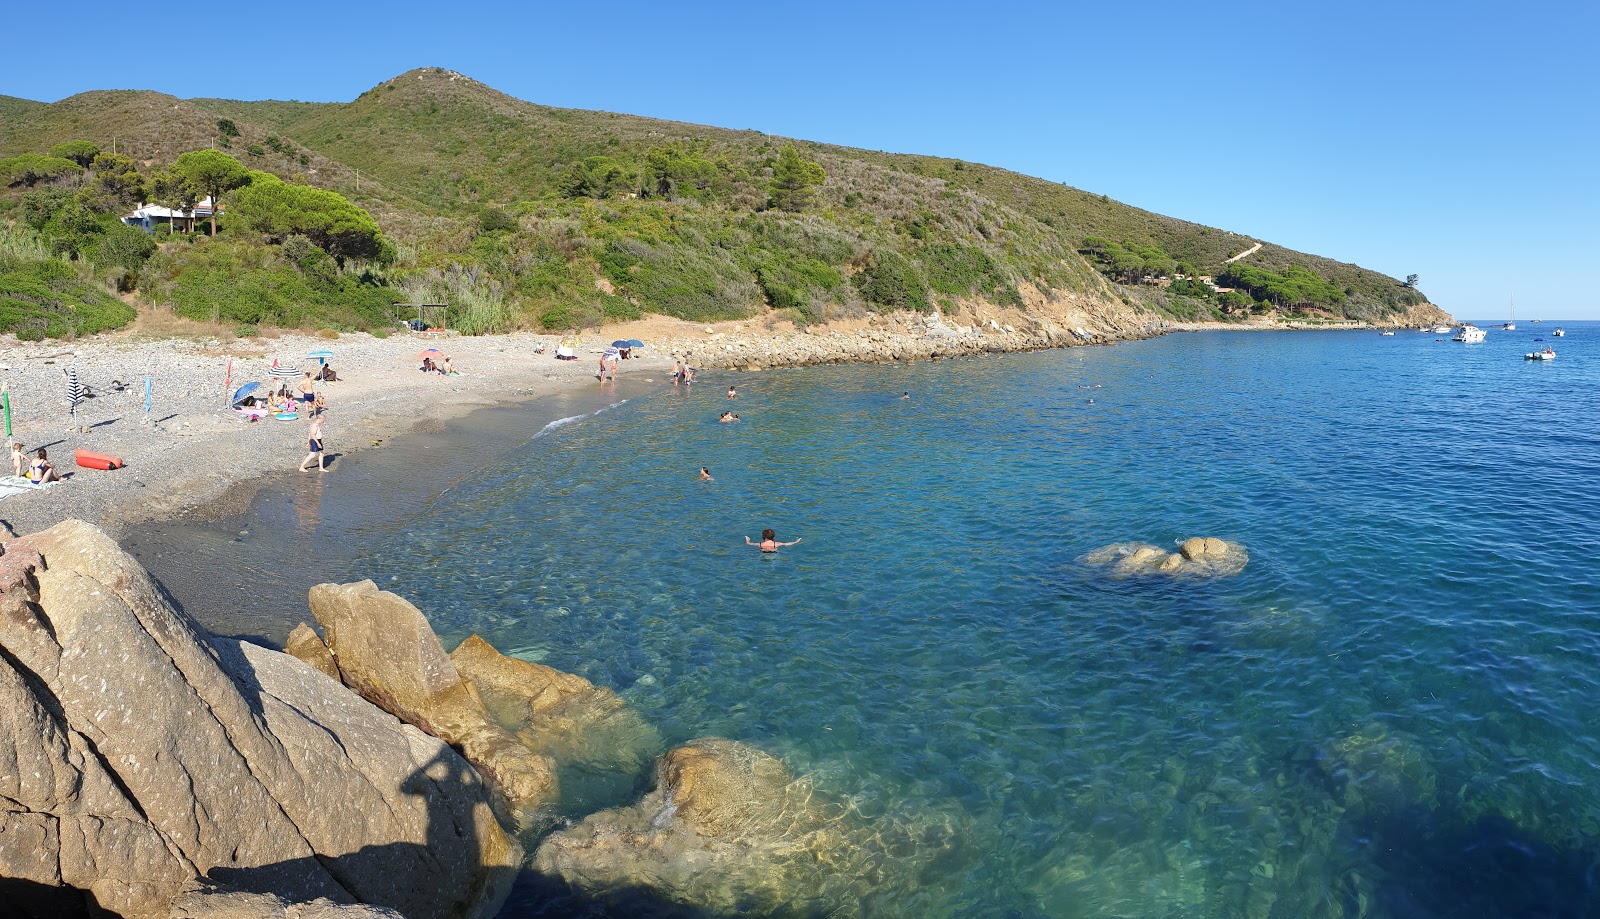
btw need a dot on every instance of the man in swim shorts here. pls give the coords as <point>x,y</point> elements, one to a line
<point>314,440</point>
<point>769,541</point>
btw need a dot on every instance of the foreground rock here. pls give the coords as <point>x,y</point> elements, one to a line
<point>1201,557</point>
<point>136,756</point>
<point>385,650</point>
<point>728,829</point>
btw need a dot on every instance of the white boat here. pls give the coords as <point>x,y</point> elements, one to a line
<point>1512,325</point>
<point>1469,333</point>
<point>1548,354</point>
<point>1439,330</point>
<point>1559,333</point>
<point>1388,332</point>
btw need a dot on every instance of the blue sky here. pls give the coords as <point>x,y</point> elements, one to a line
<point>1457,141</point>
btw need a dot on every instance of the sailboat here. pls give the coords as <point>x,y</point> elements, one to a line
<point>1512,325</point>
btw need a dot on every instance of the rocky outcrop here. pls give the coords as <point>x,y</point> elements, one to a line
<point>556,713</point>
<point>385,650</point>
<point>305,644</point>
<point>729,830</point>
<point>217,903</point>
<point>1202,557</point>
<point>138,754</point>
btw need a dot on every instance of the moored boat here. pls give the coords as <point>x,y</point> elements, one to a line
<point>1548,354</point>
<point>1469,333</point>
<point>1559,332</point>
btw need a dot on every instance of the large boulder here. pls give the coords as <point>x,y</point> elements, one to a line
<point>385,650</point>
<point>306,645</point>
<point>728,830</point>
<point>558,713</point>
<point>1200,557</point>
<point>138,754</point>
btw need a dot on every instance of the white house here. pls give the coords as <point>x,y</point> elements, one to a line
<point>148,215</point>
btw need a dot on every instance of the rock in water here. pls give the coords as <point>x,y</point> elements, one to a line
<point>728,830</point>
<point>386,651</point>
<point>1206,557</point>
<point>557,713</point>
<point>136,756</point>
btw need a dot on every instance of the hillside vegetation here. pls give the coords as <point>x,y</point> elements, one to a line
<point>431,187</point>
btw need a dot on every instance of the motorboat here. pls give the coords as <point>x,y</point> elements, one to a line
<point>1548,354</point>
<point>1440,330</point>
<point>1508,327</point>
<point>1559,333</point>
<point>1387,332</point>
<point>1470,334</point>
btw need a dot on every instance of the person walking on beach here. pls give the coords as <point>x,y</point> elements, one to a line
<point>314,440</point>
<point>769,541</point>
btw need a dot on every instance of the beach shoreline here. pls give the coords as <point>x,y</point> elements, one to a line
<point>190,456</point>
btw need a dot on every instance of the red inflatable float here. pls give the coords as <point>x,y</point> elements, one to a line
<point>97,460</point>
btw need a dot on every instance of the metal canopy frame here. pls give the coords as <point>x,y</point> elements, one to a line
<point>428,315</point>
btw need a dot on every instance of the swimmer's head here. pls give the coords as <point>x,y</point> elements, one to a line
<point>769,534</point>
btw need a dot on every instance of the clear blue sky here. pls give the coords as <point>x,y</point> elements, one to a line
<point>1458,141</point>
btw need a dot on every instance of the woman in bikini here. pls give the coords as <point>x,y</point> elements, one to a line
<point>769,541</point>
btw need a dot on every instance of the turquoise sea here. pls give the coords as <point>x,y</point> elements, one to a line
<point>1389,713</point>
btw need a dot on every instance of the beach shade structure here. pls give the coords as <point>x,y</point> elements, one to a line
<point>635,343</point>
<point>429,352</point>
<point>243,392</point>
<point>621,343</point>
<point>285,372</point>
<point>5,397</point>
<point>74,394</point>
<point>321,355</point>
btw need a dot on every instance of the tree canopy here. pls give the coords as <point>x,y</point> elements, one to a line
<point>81,152</point>
<point>280,209</point>
<point>597,177</point>
<point>793,178</point>
<point>31,168</point>
<point>211,172</point>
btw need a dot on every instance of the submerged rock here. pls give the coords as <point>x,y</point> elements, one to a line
<point>386,651</point>
<point>729,829</point>
<point>556,713</point>
<point>1198,557</point>
<point>137,756</point>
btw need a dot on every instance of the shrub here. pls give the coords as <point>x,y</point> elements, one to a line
<point>891,282</point>
<point>328,334</point>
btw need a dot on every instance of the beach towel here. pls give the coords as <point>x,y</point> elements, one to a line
<point>16,485</point>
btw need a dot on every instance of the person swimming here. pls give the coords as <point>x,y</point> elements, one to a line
<point>705,474</point>
<point>769,541</point>
<point>726,417</point>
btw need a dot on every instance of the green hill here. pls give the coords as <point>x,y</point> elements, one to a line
<point>523,214</point>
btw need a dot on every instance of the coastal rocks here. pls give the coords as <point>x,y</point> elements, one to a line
<point>1205,557</point>
<point>305,644</point>
<point>136,756</point>
<point>1380,771</point>
<point>728,829</point>
<point>386,651</point>
<point>559,714</point>
<point>211,903</point>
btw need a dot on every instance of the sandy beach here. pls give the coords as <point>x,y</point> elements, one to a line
<point>191,450</point>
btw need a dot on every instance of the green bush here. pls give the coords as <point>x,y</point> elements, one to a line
<point>892,282</point>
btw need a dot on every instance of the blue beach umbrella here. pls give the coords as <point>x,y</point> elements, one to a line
<point>620,343</point>
<point>243,392</point>
<point>635,343</point>
<point>321,355</point>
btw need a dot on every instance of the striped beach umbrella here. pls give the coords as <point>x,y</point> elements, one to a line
<point>74,393</point>
<point>285,372</point>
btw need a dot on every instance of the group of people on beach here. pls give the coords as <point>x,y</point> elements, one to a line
<point>444,366</point>
<point>38,471</point>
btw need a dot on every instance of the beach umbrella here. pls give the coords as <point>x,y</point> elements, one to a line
<point>227,381</point>
<point>635,343</point>
<point>429,352</point>
<point>321,355</point>
<point>620,343</point>
<point>5,397</point>
<point>243,392</point>
<point>285,372</point>
<point>74,393</point>
<point>147,397</point>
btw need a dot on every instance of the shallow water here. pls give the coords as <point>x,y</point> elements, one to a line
<point>1388,713</point>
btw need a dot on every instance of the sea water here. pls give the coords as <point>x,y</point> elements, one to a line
<point>1388,713</point>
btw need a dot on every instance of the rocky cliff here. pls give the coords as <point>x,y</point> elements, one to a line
<point>149,769</point>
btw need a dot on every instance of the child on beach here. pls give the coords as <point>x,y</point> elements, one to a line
<point>18,460</point>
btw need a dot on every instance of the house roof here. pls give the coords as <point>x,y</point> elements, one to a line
<point>159,212</point>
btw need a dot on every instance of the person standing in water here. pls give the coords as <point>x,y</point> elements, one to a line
<point>314,441</point>
<point>705,474</point>
<point>732,393</point>
<point>769,541</point>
